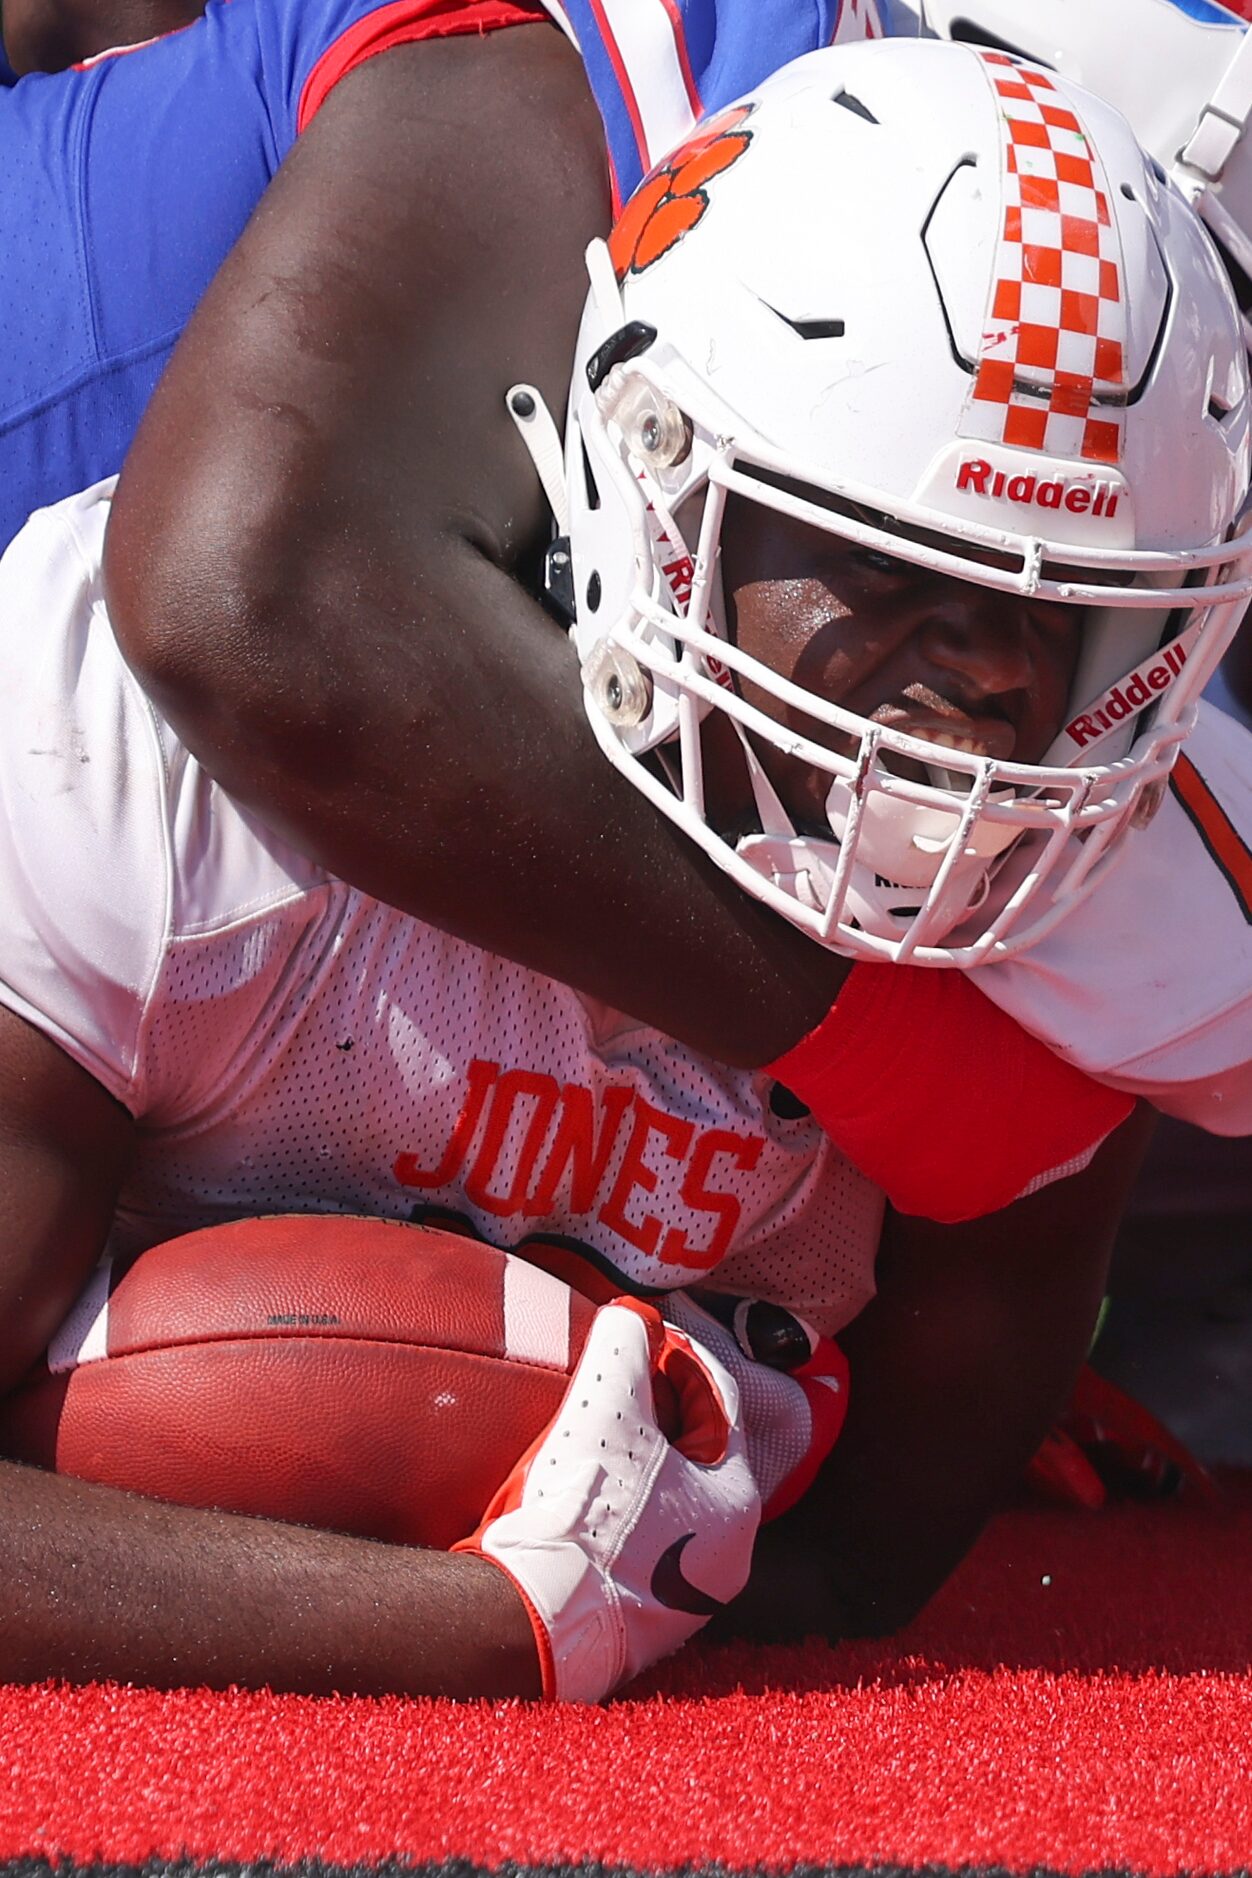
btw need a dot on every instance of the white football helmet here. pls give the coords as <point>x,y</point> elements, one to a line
<point>946,291</point>
<point>1180,70</point>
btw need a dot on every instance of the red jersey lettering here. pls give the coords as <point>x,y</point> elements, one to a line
<point>522,1144</point>
<point>406,1168</point>
<point>745,1152</point>
<point>578,1150</point>
<point>514,1089</point>
<point>635,1173</point>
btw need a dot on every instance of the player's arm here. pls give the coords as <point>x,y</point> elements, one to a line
<point>958,1368</point>
<point>48,35</point>
<point>95,1583</point>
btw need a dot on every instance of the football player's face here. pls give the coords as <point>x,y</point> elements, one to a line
<point>926,654</point>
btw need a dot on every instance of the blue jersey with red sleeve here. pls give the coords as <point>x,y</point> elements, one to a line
<point>126,183</point>
<point>128,180</point>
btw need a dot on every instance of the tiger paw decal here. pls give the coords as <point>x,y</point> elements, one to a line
<point>668,203</point>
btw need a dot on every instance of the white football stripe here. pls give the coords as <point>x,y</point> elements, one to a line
<point>536,1316</point>
<point>84,1336</point>
<point>644,36</point>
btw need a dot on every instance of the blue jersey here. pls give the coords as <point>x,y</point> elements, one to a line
<point>127,181</point>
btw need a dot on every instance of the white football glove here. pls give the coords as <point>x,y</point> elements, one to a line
<point>623,1542</point>
<point>792,1398</point>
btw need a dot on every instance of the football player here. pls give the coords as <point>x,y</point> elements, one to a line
<point>138,174</point>
<point>262,586</point>
<point>245,87</point>
<point>200,1022</point>
<point>1017,867</point>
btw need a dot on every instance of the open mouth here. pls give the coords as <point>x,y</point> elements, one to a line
<point>984,737</point>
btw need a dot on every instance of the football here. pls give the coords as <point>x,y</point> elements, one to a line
<point>361,1375</point>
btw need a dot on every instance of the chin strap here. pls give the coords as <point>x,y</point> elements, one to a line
<point>899,854</point>
<point>774,819</point>
<point>804,866</point>
<point>539,433</point>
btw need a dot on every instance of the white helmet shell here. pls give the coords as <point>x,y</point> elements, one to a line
<point>947,293</point>
<point>1180,71</point>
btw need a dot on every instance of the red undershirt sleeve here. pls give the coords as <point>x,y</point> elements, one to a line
<point>401,23</point>
<point>941,1098</point>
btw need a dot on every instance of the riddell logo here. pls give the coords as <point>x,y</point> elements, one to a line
<point>1127,698</point>
<point>676,564</point>
<point>1051,492</point>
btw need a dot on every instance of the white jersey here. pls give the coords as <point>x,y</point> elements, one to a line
<point>1148,984</point>
<point>286,1043</point>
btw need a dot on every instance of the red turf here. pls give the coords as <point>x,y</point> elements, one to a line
<point>1078,1698</point>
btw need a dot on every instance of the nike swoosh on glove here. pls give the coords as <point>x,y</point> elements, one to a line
<point>621,1541</point>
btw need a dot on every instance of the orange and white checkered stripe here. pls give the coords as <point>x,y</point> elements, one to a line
<point>1051,372</point>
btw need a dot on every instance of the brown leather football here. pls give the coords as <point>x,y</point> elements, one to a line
<point>361,1375</point>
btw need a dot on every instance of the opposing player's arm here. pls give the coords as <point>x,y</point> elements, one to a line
<point>95,1583</point>
<point>48,35</point>
<point>311,555</point>
<point>958,1368</point>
